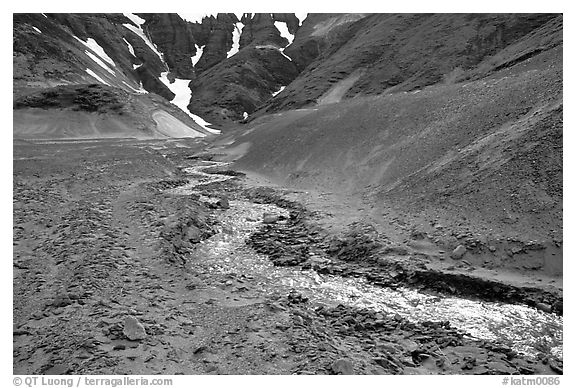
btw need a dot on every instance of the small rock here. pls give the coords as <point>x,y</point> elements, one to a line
<point>459,252</point>
<point>133,329</point>
<point>61,301</point>
<point>270,218</point>
<point>193,234</point>
<point>343,367</point>
<point>544,307</point>
<point>223,203</point>
<point>492,248</point>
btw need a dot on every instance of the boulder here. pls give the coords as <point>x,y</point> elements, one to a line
<point>459,252</point>
<point>133,329</point>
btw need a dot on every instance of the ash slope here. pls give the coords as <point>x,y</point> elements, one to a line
<point>476,162</point>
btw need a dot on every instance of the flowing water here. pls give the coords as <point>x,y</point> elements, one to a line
<point>523,328</point>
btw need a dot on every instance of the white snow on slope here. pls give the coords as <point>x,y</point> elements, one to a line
<point>182,98</point>
<point>180,88</point>
<point>282,52</point>
<point>100,62</point>
<point>90,72</point>
<point>271,46</point>
<point>283,29</point>
<point>235,39</point>
<point>141,90</point>
<point>140,32</point>
<point>278,91</point>
<point>198,55</point>
<point>96,48</point>
<point>37,29</point>
<point>130,48</point>
<point>301,17</point>
<point>135,19</point>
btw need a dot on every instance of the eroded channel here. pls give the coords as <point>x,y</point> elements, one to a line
<point>522,328</point>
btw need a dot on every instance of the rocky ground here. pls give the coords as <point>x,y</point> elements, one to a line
<point>117,272</point>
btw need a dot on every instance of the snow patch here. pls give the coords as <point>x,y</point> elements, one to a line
<point>271,46</point>
<point>135,19</point>
<point>141,90</point>
<point>182,98</point>
<point>282,52</point>
<point>37,29</point>
<point>140,32</point>
<point>235,39</point>
<point>301,17</point>
<point>203,123</point>
<point>278,91</point>
<point>99,61</point>
<point>282,27</point>
<point>96,48</point>
<point>198,55</point>
<point>130,48</point>
<point>93,74</point>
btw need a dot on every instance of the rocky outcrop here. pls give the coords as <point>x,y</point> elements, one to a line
<point>240,84</point>
<point>175,40</point>
<point>218,39</point>
<point>259,29</point>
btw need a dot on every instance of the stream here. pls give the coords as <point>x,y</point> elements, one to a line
<point>522,328</point>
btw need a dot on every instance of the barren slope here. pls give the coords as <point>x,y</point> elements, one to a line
<point>481,159</point>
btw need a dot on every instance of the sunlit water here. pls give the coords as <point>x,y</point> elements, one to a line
<point>523,328</point>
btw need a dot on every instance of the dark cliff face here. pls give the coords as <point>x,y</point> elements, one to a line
<point>240,84</point>
<point>175,40</point>
<point>260,30</point>
<point>219,31</point>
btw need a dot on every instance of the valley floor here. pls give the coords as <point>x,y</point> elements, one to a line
<point>148,257</point>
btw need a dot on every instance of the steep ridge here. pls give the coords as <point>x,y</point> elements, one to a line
<point>396,52</point>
